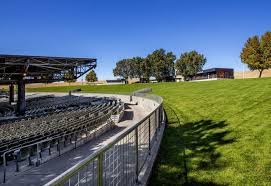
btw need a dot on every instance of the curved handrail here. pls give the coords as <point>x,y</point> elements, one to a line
<point>61,179</point>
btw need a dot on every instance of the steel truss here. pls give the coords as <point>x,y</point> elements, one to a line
<point>38,69</point>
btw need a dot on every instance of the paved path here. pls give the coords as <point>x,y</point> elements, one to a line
<point>49,170</point>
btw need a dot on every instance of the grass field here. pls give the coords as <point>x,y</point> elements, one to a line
<point>219,132</point>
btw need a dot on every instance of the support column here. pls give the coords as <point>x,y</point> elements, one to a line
<point>11,93</point>
<point>21,104</point>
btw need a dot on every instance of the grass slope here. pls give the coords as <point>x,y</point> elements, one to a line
<point>219,132</point>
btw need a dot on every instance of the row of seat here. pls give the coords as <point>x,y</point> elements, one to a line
<point>55,104</point>
<point>46,105</point>
<point>20,133</point>
<point>6,110</point>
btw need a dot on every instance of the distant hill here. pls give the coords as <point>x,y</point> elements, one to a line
<point>252,74</point>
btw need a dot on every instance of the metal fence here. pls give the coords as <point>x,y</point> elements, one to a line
<point>121,161</point>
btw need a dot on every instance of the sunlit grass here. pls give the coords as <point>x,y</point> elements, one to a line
<point>220,130</point>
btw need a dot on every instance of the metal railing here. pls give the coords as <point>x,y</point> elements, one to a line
<point>55,146</point>
<point>142,91</point>
<point>121,161</point>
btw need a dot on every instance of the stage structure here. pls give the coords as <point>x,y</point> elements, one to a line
<point>22,69</point>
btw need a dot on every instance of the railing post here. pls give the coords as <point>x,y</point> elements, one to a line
<point>160,116</point>
<point>40,154</point>
<point>58,146</point>
<point>49,149</point>
<point>149,135</point>
<point>29,160</point>
<point>64,142</point>
<point>86,132</point>
<point>17,163</point>
<point>156,124</point>
<point>5,167</point>
<point>100,169</point>
<point>136,148</point>
<point>37,163</point>
<point>75,140</point>
<point>95,130</point>
<point>78,178</point>
<point>87,175</point>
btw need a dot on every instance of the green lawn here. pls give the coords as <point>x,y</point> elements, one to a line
<point>219,132</point>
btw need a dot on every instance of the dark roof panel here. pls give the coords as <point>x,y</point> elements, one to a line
<point>42,68</point>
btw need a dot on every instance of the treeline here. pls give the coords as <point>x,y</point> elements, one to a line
<point>164,66</point>
<point>161,65</point>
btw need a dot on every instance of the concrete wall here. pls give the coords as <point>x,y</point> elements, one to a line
<point>148,104</point>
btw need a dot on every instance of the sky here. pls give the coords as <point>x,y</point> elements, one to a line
<point>115,29</point>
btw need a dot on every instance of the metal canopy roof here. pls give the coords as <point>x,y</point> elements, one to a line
<point>36,69</point>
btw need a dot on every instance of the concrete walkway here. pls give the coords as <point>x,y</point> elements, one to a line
<point>49,170</point>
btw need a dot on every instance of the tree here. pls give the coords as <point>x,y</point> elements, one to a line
<point>69,77</point>
<point>189,64</point>
<point>257,53</point>
<point>146,70</point>
<point>161,64</point>
<point>123,69</point>
<point>91,76</point>
<point>136,67</point>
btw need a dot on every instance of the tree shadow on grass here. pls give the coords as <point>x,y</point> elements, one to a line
<point>189,148</point>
